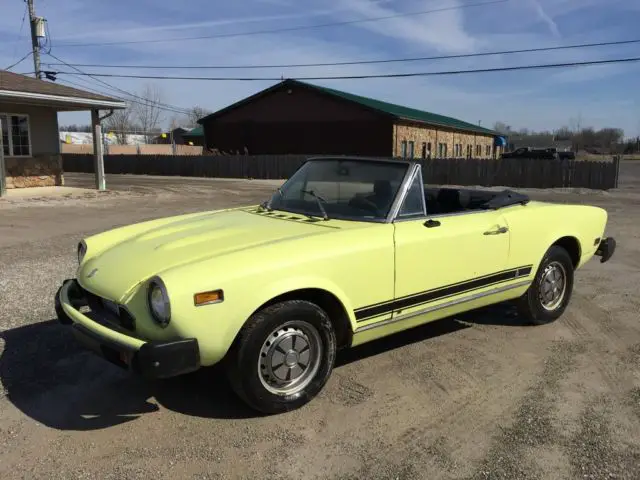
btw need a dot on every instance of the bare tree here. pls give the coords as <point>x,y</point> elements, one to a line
<point>147,111</point>
<point>502,127</point>
<point>120,124</point>
<point>194,114</point>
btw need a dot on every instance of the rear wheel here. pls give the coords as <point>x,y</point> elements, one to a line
<point>549,294</point>
<point>283,356</point>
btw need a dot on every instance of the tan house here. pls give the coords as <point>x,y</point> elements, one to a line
<point>294,117</point>
<point>29,115</point>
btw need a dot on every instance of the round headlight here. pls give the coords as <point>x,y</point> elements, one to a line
<point>82,250</point>
<point>158,300</point>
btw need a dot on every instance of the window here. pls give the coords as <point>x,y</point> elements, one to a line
<point>15,135</point>
<point>410,149</point>
<point>357,190</point>
<point>488,151</point>
<point>442,150</point>
<point>429,150</point>
<point>478,150</point>
<point>457,150</point>
<point>413,204</point>
<point>469,151</point>
<point>403,149</point>
<point>424,150</point>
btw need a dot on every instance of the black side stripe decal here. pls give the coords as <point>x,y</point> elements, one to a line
<point>439,293</point>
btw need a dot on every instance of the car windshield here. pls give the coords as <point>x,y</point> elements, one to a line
<point>342,189</point>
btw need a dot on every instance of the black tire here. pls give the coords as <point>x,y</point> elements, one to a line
<point>531,306</point>
<point>250,363</point>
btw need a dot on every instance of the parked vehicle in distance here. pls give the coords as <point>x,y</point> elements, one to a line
<point>347,251</point>
<point>550,153</point>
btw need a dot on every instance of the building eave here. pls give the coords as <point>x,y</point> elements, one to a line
<point>61,101</point>
<point>479,131</point>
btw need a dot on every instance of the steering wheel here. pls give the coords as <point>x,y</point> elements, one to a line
<point>364,204</point>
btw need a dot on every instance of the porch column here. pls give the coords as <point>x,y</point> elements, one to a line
<point>3,178</point>
<point>98,159</point>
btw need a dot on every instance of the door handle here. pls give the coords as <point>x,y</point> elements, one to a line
<point>497,231</point>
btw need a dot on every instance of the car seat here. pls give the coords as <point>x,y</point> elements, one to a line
<point>382,194</point>
<point>451,200</point>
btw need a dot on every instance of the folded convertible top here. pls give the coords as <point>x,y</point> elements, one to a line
<point>506,198</point>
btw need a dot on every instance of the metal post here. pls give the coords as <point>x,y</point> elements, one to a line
<point>98,158</point>
<point>3,183</point>
<point>34,39</point>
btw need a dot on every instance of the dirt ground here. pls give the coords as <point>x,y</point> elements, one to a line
<point>481,396</point>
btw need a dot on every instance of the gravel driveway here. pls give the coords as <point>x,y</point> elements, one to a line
<point>480,396</point>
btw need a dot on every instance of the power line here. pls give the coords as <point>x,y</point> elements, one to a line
<point>125,92</point>
<point>364,76</point>
<point>24,15</point>
<point>84,87</point>
<point>356,62</point>
<point>284,29</point>
<point>125,99</point>
<point>19,61</point>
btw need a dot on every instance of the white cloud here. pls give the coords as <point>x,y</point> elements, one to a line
<point>442,30</point>
<point>553,27</point>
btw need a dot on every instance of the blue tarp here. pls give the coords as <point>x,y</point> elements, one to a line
<point>499,141</point>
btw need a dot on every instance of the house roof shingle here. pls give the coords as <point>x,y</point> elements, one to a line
<point>397,111</point>
<point>14,82</point>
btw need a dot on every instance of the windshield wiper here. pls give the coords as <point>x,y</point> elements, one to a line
<point>319,200</point>
<point>267,203</point>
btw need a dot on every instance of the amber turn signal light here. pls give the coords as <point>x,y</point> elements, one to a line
<point>207,298</point>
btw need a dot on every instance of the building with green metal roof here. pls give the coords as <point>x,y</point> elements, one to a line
<point>294,117</point>
<point>195,136</point>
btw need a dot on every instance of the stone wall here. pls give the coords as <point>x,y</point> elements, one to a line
<point>36,171</point>
<point>419,134</point>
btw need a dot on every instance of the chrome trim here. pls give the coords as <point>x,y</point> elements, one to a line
<point>157,282</point>
<point>402,193</point>
<point>442,306</point>
<point>424,200</point>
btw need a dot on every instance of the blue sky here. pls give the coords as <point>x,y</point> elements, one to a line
<point>598,95</point>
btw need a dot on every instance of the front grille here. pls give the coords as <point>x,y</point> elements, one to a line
<point>109,313</point>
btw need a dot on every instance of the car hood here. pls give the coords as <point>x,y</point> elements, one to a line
<point>115,272</point>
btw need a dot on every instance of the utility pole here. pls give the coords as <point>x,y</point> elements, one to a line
<point>36,24</point>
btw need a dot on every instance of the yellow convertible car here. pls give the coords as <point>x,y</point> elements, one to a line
<point>348,250</point>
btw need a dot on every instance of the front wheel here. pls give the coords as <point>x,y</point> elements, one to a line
<point>282,357</point>
<point>549,294</point>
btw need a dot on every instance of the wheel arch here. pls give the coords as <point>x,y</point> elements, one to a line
<point>324,299</point>
<point>572,246</point>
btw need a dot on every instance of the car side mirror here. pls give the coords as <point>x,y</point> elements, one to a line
<point>431,223</point>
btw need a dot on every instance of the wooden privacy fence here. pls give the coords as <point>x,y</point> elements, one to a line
<point>519,173</point>
<point>522,173</point>
<point>241,166</point>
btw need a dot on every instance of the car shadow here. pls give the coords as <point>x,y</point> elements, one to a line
<point>48,376</point>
